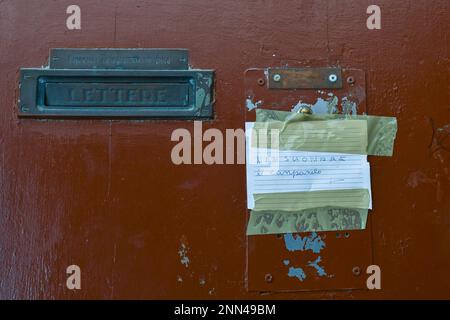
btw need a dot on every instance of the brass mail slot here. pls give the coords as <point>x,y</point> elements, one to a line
<point>117,94</point>
<point>132,93</point>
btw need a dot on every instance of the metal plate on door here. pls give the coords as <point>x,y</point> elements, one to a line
<point>330,260</point>
<point>146,59</point>
<point>117,83</point>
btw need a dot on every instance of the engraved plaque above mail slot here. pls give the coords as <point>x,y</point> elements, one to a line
<point>115,86</point>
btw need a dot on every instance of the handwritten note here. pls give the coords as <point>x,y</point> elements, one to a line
<point>291,179</point>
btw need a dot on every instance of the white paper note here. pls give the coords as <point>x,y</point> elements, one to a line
<point>273,171</point>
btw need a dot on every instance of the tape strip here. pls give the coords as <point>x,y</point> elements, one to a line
<point>378,139</point>
<point>315,219</point>
<point>295,201</point>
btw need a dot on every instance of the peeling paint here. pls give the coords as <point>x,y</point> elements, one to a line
<point>328,105</point>
<point>332,103</point>
<point>200,96</point>
<point>297,273</point>
<point>313,242</point>
<point>321,105</point>
<point>349,107</point>
<point>315,264</point>
<point>300,105</point>
<point>183,255</point>
<point>417,177</point>
<point>250,105</point>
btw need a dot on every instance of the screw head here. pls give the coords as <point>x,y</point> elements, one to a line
<point>332,77</point>
<point>261,81</point>
<point>356,271</point>
<point>276,77</point>
<point>350,80</point>
<point>268,277</point>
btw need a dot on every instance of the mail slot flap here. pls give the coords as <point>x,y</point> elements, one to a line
<point>116,93</point>
<point>120,92</point>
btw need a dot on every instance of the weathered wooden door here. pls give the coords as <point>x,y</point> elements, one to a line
<point>103,194</point>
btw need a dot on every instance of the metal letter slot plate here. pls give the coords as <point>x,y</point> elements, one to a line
<point>117,83</point>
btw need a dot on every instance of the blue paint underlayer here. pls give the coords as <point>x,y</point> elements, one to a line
<point>315,264</point>
<point>297,273</point>
<point>298,243</point>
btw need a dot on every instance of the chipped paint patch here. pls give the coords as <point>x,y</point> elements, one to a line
<point>297,273</point>
<point>183,255</point>
<point>321,106</point>
<point>200,95</point>
<point>329,103</point>
<point>332,103</point>
<point>312,242</point>
<point>417,177</point>
<point>179,278</point>
<point>286,262</point>
<point>250,105</point>
<point>202,281</point>
<point>348,107</point>
<point>315,264</point>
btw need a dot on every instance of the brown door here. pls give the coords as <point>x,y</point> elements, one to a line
<point>103,194</point>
